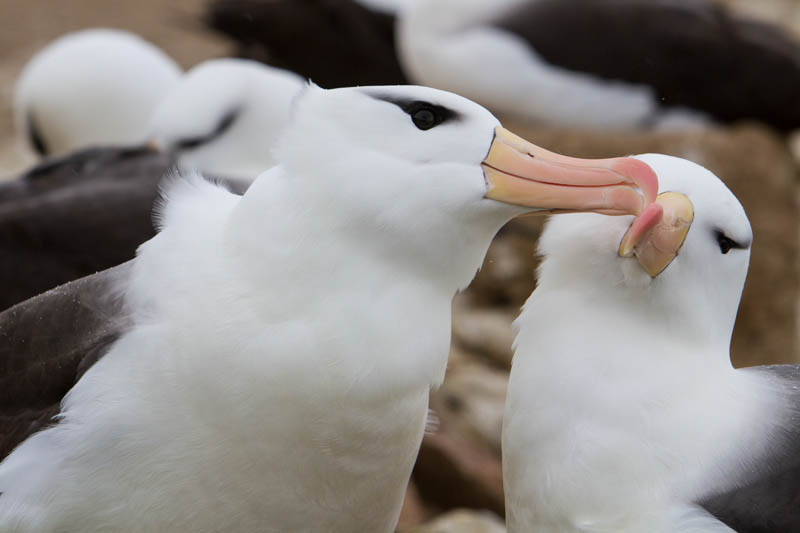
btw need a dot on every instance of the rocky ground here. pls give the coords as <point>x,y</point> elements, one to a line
<point>459,464</point>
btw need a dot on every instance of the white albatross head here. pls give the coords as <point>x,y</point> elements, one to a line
<point>690,268</point>
<point>224,117</point>
<point>95,87</point>
<point>435,172</point>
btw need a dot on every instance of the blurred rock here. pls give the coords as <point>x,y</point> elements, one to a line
<point>508,274</point>
<point>462,521</point>
<point>794,145</point>
<point>458,357</point>
<point>784,13</point>
<point>453,472</point>
<point>414,511</point>
<point>470,404</point>
<point>484,331</point>
<point>757,166</point>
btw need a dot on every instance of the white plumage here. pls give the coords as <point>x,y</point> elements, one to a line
<point>459,46</point>
<point>225,115</point>
<point>624,413</point>
<point>282,344</point>
<point>91,88</point>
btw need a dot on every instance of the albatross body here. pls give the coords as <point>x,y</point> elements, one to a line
<point>604,63</point>
<point>624,413</point>
<point>270,356</point>
<point>91,88</point>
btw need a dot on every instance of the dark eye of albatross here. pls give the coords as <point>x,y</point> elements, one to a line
<point>726,243</point>
<point>424,115</point>
<point>424,118</point>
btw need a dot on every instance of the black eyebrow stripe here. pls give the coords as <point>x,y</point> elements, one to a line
<point>409,106</point>
<point>222,126</point>
<point>736,244</point>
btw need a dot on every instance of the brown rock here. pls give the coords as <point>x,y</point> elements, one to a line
<point>471,402</point>
<point>794,145</point>
<point>414,511</point>
<point>484,331</point>
<point>508,274</point>
<point>453,472</point>
<point>784,13</point>
<point>462,521</point>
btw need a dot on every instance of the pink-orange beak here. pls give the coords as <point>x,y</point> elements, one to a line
<point>521,173</point>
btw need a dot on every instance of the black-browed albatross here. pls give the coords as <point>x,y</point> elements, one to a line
<point>624,412</point>
<point>277,349</point>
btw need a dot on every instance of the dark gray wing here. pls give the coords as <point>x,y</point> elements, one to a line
<point>770,502</point>
<point>335,43</point>
<point>48,342</point>
<point>75,215</point>
<point>692,52</point>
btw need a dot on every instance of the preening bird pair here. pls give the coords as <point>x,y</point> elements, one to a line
<point>264,363</point>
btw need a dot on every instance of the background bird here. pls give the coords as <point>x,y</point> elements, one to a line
<point>624,412</point>
<point>604,63</point>
<point>75,215</point>
<point>224,117</point>
<point>91,88</point>
<point>342,43</point>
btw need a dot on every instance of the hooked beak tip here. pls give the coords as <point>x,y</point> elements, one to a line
<point>644,222</point>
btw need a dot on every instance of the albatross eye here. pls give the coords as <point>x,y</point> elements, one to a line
<point>424,115</point>
<point>726,243</point>
<point>424,118</point>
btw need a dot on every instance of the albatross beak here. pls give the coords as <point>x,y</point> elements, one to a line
<point>520,173</point>
<point>657,245</point>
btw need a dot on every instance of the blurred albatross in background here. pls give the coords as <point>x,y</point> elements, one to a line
<point>335,43</point>
<point>224,117</point>
<point>604,63</point>
<point>91,88</point>
<point>84,212</point>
